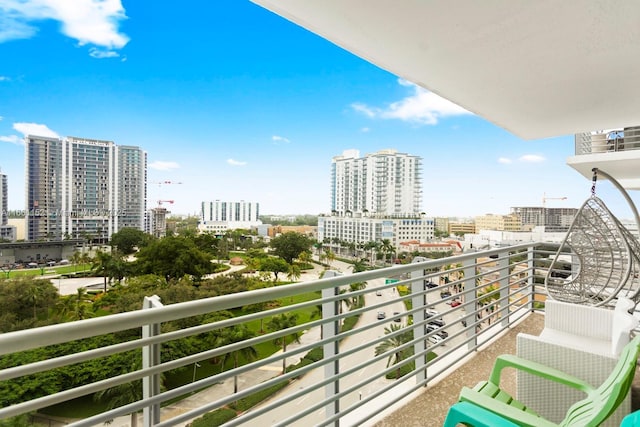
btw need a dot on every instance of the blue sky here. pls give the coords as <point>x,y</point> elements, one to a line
<point>236,103</point>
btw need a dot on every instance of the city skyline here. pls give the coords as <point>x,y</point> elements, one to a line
<point>236,103</point>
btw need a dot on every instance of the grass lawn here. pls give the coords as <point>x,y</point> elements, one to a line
<point>60,269</point>
<point>265,349</point>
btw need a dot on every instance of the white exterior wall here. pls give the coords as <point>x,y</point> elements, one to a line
<point>385,182</point>
<point>218,216</point>
<point>367,229</point>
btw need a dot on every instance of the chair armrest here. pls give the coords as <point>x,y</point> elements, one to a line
<point>467,413</point>
<point>542,371</point>
<point>515,415</point>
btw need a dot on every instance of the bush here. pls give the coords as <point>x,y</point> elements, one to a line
<point>215,418</point>
<point>258,397</point>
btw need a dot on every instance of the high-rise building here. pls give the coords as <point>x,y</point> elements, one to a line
<point>384,182</point>
<point>83,188</point>
<point>7,232</point>
<point>4,208</point>
<point>218,216</point>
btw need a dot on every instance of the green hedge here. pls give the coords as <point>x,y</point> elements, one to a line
<point>215,418</point>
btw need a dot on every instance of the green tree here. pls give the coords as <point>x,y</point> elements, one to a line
<point>395,342</point>
<point>359,265</point>
<point>386,247</point>
<point>100,265</point>
<point>275,266</point>
<point>289,246</point>
<point>173,257</point>
<point>128,238</point>
<point>280,322</point>
<point>294,272</point>
<point>330,256</point>
<point>235,334</point>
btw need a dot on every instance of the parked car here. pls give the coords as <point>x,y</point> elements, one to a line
<point>431,328</point>
<point>381,315</point>
<point>379,293</point>
<point>438,322</point>
<point>397,319</point>
<point>445,294</point>
<point>430,313</point>
<point>435,339</point>
<point>454,303</point>
<point>429,284</point>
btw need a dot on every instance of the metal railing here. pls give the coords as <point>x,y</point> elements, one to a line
<point>449,306</point>
<point>610,141</point>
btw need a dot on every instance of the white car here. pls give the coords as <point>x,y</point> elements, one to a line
<point>435,339</point>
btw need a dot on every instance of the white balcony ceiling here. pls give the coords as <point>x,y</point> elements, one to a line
<point>536,68</point>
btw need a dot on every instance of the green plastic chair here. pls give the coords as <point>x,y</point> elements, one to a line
<point>471,415</point>
<point>591,411</point>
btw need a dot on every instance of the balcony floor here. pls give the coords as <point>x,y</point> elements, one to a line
<point>434,402</point>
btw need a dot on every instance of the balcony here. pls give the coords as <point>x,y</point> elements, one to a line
<point>352,383</point>
<point>615,151</point>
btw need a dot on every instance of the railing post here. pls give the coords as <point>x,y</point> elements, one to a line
<point>470,290</point>
<point>531,284</point>
<point>419,300</point>
<point>330,330</point>
<point>150,358</point>
<point>503,283</point>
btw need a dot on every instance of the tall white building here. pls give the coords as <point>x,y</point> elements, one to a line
<point>218,216</point>
<point>384,182</point>
<point>83,188</point>
<point>7,232</point>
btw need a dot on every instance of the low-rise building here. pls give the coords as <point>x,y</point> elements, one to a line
<point>509,222</point>
<point>219,216</point>
<point>359,228</point>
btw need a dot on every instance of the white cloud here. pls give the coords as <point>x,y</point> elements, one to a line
<point>12,139</point>
<point>100,53</point>
<point>277,139</point>
<point>236,162</point>
<point>531,158</point>
<point>4,78</point>
<point>421,107</point>
<point>365,130</point>
<point>505,161</point>
<point>34,129</point>
<point>92,22</point>
<point>164,166</point>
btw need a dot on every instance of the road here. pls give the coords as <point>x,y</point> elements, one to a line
<point>317,375</point>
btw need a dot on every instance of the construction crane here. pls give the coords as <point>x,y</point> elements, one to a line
<point>160,202</point>
<point>545,198</point>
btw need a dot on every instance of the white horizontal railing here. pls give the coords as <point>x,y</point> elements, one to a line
<point>349,384</point>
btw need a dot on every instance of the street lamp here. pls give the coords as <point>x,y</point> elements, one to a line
<point>195,365</point>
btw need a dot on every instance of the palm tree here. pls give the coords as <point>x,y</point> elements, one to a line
<point>358,266</point>
<point>233,335</point>
<point>294,272</point>
<point>395,342</point>
<point>331,256</point>
<point>373,246</point>
<point>101,266</point>
<point>123,394</point>
<point>304,257</point>
<point>280,322</point>
<point>75,259</point>
<point>387,249</point>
